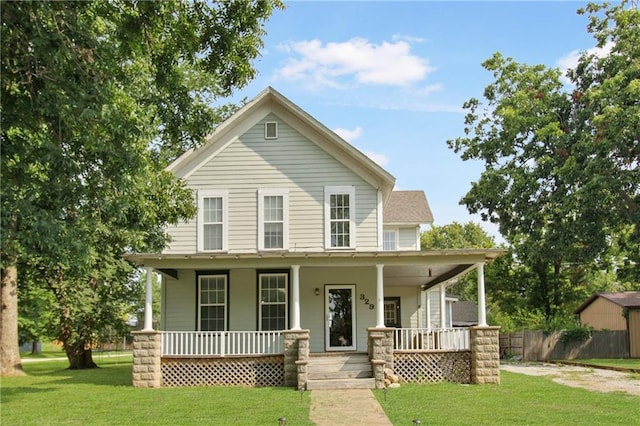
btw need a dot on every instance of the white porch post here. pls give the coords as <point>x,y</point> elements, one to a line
<point>379,297</point>
<point>428,297</point>
<point>482,310</point>
<point>295,294</point>
<point>443,306</point>
<point>148,302</point>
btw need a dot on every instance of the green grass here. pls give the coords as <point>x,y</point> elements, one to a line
<point>519,399</point>
<point>606,362</point>
<point>53,395</point>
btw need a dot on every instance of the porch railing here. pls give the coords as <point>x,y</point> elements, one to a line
<point>222,343</point>
<point>435,339</point>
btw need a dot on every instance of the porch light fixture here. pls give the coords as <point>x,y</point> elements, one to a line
<point>317,291</point>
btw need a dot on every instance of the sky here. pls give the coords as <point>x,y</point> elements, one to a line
<point>391,77</point>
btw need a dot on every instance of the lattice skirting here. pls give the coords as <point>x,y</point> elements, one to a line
<point>433,367</point>
<point>238,371</point>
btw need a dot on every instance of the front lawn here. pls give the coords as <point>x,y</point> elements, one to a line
<point>519,399</point>
<point>52,394</point>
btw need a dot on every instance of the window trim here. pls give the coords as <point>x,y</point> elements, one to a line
<point>266,133</point>
<point>209,274</point>
<point>396,232</point>
<point>284,193</point>
<point>340,190</point>
<point>260,274</point>
<point>212,193</point>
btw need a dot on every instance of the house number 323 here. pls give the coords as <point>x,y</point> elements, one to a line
<point>366,301</point>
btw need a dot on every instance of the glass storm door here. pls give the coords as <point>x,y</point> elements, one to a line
<point>340,330</point>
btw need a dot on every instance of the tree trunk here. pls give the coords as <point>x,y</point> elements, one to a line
<point>80,358</point>
<point>10,364</point>
<point>34,348</point>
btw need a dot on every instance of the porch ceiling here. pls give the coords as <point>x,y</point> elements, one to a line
<point>404,268</point>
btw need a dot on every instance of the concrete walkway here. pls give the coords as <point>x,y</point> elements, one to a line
<point>346,407</point>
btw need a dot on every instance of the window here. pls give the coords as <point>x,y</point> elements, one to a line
<point>212,302</point>
<point>271,130</point>
<point>212,218</point>
<point>339,217</point>
<point>273,219</point>
<point>273,289</point>
<point>389,240</point>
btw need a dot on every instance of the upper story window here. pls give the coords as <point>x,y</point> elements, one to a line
<point>212,220</point>
<point>273,219</point>
<point>389,240</point>
<point>339,213</point>
<point>212,302</point>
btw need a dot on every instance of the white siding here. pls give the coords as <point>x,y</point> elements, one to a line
<point>407,238</point>
<point>289,162</point>
<point>179,296</point>
<point>243,300</point>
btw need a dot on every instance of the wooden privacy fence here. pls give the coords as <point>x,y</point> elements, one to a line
<point>534,345</point>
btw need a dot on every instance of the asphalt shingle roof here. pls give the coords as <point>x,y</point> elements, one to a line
<point>407,207</point>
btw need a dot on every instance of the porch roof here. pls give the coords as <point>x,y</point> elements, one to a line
<point>413,268</point>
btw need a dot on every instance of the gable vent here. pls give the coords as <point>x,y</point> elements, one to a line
<point>271,130</point>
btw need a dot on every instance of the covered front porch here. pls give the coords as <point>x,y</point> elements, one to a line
<point>359,283</point>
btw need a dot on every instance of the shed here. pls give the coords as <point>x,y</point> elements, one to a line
<point>614,311</point>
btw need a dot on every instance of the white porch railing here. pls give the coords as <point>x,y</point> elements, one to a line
<point>222,343</point>
<point>435,339</point>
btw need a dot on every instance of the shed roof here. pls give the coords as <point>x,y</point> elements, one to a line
<point>626,299</point>
<point>407,207</point>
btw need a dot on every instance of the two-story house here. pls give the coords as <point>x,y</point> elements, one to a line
<point>301,260</point>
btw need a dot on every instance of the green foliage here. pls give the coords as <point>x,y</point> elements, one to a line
<point>576,334</point>
<point>562,163</point>
<point>456,236</point>
<point>97,97</point>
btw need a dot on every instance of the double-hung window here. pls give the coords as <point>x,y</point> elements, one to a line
<point>339,213</point>
<point>212,220</point>
<point>273,218</point>
<point>212,302</point>
<point>273,312</point>
<point>389,240</point>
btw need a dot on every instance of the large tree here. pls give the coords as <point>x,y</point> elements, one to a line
<point>562,161</point>
<point>97,97</point>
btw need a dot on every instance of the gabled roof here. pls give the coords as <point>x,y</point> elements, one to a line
<point>626,299</point>
<point>407,208</point>
<point>271,101</point>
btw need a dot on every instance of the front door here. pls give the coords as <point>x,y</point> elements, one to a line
<point>340,327</point>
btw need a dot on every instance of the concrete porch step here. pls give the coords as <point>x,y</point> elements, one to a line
<point>339,371</point>
<point>364,383</point>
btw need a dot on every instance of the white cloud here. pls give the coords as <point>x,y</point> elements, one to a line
<point>354,62</point>
<point>381,159</point>
<point>410,39</point>
<point>349,135</point>
<point>570,60</point>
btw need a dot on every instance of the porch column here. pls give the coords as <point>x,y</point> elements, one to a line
<point>295,294</point>
<point>148,303</point>
<point>379,297</point>
<point>443,306</point>
<point>428,301</point>
<point>482,309</point>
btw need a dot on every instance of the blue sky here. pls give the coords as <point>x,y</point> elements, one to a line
<point>391,77</point>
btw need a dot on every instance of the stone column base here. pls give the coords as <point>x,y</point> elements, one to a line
<point>485,354</point>
<point>147,356</point>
